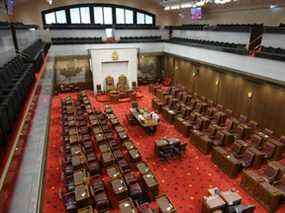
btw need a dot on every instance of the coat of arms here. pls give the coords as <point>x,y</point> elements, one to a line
<point>115,56</point>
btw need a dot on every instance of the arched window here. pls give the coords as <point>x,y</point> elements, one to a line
<point>97,15</point>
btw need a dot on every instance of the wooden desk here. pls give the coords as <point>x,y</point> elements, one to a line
<point>104,147</point>
<point>114,121</point>
<point>75,149</point>
<point>250,181</point>
<point>280,148</point>
<point>269,196</point>
<point>78,161</point>
<point>135,155</point>
<point>73,139</point>
<point>232,166</point>
<point>231,198</point>
<point>94,122</point>
<point>129,145</point>
<point>163,143</point>
<point>73,131</point>
<point>87,209</point>
<point>160,144</point>
<point>113,172</point>
<point>123,135</point>
<point>97,130</point>
<point>70,123</point>
<point>151,183</point>
<point>99,138</point>
<point>120,188</point>
<point>213,203</point>
<point>164,205</point>
<point>82,195</point>
<point>143,168</point>
<point>148,124</point>
<point>119,128</point>
<point>80,177</point>
<point>107,159</point>
<point>127,206</point>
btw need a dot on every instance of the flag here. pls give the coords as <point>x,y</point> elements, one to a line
<point>10,6</point>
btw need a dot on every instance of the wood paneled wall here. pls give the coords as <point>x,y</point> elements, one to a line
<point>231,90</point>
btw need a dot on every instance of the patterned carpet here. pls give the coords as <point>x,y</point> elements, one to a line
<point>185,181</point>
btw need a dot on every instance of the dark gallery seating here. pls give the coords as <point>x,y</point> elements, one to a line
<point>214,45</point>
<point>140,39</point>
<point>35,53</point>
<point>17,77</point>
<point>76,40</point>
<point>218,27</point>
<point>271,53</point>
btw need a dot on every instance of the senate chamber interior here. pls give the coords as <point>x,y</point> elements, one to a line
<point>142,106</point>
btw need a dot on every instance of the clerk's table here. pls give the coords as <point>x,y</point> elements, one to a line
<point>144,119</point>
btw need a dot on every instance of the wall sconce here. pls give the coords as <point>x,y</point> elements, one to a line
<point>176,67</point>
<point>217,82</point>
<point>249,95</point>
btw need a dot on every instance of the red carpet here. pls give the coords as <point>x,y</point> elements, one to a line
<point>185,181</point>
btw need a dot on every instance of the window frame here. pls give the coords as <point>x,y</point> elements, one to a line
<point>92,24</point>
<point>80,15</point>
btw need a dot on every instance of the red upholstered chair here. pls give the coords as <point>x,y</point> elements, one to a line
<point>219,139</point>
<point>268,132</point>
<point>229,124</point>
<point>256,141</point>
<point>243,119</point>
<point>67,169</point>
<point>102,202</point>
<point>87,145</point>
<point>268,149</point>
<point>145,208</point>
<point>247,158</point>
<point>130,178</point>
<point>253,125</point>
<point>179,150</point>
<point>282,139</point>
<point>90,156</point>
<point>124,166</point>
<point>271,173</point>
<point>94,168</point>
<point>186,100</point>
<point>136,191</point>
<point>69,201</point>
<point>281,184</point>
<point>238,148</point>
<point>114,144</point>
<point>97,185</point>
<point>219,118</point>
<point>192,104</point>
<point>118,155</point>
<point>220,107</point>
<point>68,183</point>
<point>211,131</point>
<point>229,113</point>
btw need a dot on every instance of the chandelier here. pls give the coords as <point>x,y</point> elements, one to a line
<point>193,3</point>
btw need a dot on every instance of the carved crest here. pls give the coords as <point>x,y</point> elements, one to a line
<point>115,56</point>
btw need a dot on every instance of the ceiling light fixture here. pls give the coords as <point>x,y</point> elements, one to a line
<point>50,2</point>
<point>190,4</point>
